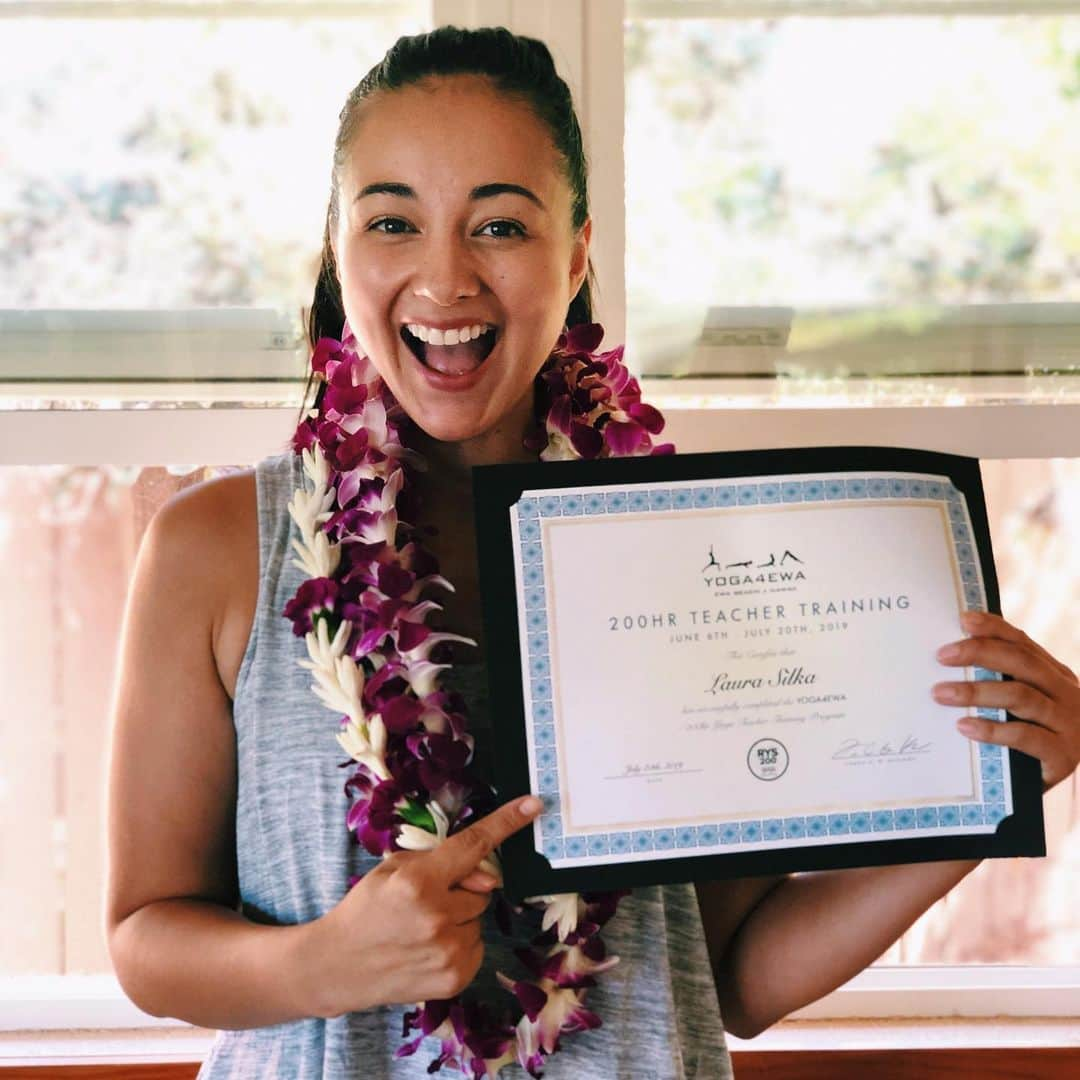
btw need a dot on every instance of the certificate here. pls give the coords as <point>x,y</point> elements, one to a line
<point>716,665</point>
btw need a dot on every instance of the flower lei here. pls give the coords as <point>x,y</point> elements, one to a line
<point>375,660</point>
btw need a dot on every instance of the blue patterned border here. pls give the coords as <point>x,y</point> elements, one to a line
<point>754,834</point>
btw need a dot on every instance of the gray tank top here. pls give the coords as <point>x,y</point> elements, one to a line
<point>660,1015</point>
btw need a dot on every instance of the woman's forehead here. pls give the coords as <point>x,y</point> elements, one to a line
<point>454,133</point>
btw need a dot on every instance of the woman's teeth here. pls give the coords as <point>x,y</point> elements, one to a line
<point>430,336</point>
<point>450,352</point>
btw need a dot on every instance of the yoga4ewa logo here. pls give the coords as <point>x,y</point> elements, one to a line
<point>777,568</point>
<point>768,759</point>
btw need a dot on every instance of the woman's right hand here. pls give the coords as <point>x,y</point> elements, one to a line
<point>409,930</point>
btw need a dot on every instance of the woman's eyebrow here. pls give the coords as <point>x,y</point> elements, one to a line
<point>484,191</point>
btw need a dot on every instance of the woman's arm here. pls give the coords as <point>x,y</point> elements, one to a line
<point>810,933</point>
<point>787,942</point>
<point>178,945</point>
<point>410,930</point>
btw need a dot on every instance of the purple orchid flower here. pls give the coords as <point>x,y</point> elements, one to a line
<point>315,596</point>
<point>576,965</point>
<point>304,436</point>
<point>595,406</point>
<point>584,338</point>
<point>440,759</point>
<point>342,398</point>
<point>327,350</point>
<point>563,1013</point>
<point>376,835</point>
<point>383,806</point>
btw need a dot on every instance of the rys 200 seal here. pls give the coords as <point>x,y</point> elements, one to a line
<point>767,759</point>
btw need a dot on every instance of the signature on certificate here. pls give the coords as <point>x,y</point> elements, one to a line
<point>851,749</point>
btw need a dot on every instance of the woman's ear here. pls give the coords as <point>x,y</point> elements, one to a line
<point>579,257</point>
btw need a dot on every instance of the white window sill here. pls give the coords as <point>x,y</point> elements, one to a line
<point>957,993</point>
<point>105,1047</point>
<point>190,1044</point>
<point>727,392</point>
<point>147,425</point>
<point>960,992</point>
<point>914,1033</point>
<point>86,1019</point>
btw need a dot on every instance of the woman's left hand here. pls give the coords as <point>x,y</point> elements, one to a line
<point>1044,693</point>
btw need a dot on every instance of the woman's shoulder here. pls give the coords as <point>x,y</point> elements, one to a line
<point>219,510</point>
<point>208,534</point>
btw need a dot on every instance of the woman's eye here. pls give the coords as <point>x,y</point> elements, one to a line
<point>517,230</point>
<point>503,229</point>
<point>399,225</point>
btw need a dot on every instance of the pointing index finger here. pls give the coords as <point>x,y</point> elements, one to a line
<point>458,855</point>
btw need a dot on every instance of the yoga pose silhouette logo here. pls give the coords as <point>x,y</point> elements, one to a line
<point>773,562</point>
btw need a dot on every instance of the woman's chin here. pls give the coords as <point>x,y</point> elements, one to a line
<point>450,429</point>
<point>492,434</point>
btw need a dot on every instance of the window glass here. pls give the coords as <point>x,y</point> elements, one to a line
<point>68,537</point>
<point>863,193</point>
<point>173,162</point>
<point>1020,911</point>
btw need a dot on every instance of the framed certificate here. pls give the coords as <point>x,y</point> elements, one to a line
<point>719,665</point>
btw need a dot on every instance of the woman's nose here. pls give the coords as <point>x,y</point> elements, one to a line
<point>446,273</point>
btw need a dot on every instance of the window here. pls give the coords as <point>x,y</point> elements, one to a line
<point>164,157</point>
<point>68,536</point>
<point>868,186</point>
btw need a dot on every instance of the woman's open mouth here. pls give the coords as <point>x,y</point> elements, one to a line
<point>460,358</point>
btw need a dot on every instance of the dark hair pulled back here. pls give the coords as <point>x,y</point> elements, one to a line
<point>518,66</point>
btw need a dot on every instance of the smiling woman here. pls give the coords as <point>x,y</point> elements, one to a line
<point>449,226</point>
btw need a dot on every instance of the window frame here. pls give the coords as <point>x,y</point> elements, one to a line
<point>976,991</point>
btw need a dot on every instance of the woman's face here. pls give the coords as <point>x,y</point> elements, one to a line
<point>455,213</point>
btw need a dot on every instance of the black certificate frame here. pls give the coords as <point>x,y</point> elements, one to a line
<point>496,488</point>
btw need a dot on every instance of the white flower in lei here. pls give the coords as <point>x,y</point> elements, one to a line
<point>374,662</point>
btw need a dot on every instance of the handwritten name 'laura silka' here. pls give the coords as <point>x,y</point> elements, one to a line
<point>784,677</point>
